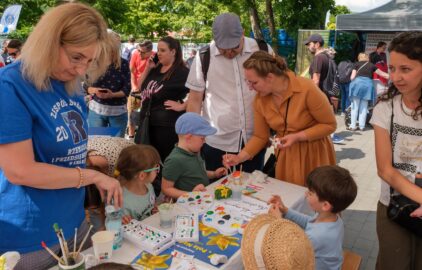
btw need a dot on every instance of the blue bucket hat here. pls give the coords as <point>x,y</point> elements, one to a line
<point>193,123</point>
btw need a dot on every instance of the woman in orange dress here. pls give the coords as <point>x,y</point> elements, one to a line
<point>296,110</point>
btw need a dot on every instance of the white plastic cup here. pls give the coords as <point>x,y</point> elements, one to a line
<point>166,215</point>
<point>237,186</point>
<point>102,242</point>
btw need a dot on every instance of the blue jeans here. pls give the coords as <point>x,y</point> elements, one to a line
<point>359,108</point>
<point>344,92</point>
<point>118,121</point>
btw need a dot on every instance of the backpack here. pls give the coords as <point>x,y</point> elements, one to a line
<point>331,83</point>
<point>344,71</point>
<point>204,55</point>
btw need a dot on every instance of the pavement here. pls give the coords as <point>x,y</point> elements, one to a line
<point>357,154</point>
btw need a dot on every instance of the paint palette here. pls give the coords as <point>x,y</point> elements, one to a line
<point>248,207</point>
<point>146,237</point>
<point>223,218</point>
<point>186,228</point>
<point>196,201</point>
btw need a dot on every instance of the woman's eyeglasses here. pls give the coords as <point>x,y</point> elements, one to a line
<point>78,60</point>
<point>156,168</point>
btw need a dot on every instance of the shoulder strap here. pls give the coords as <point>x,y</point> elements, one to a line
<point>263,46</point>
<point>205,55</point>
<point>361,67</point>
<point>391,140</point>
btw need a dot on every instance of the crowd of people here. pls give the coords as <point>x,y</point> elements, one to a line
<point>197,119</point>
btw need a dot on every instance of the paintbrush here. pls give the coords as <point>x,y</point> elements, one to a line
<point>51,252</point>
<point>83,241</point>
<point>57,230</point>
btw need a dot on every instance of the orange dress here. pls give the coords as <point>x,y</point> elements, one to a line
<point>309,111</point>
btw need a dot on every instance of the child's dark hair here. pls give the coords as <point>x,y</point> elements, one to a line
<point>112,266</point>
<point>136,158</point>
<point>333,184</point>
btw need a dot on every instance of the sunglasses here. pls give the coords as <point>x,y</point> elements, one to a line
<point>156,168</point>
<point>14,54</point>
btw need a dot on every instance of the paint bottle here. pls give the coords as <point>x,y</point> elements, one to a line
<point>113,223</point>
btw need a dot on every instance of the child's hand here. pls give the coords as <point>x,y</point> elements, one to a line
<point>154,210</point>
<point>126,219</point>
<point>220,172</point>
<point>276,200</point>
<point>199,187</point>
<point>275,211</point>
<point>417,212</point>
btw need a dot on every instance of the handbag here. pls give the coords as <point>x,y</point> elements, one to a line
<point>400,207</point>
<point>142,134</point>
<point>271,163</point>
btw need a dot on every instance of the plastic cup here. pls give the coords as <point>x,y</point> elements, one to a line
<point>166,215</point>
<point>79,264</point>
<point>102,242</point>
<point>236,185</point>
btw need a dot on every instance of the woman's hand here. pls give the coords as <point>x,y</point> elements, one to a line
<point>230,160</point>
<point>288,140</point>
<point>103,93</point>
<point>111,187</point>
<point>174,105</point>
<point>417,213</point>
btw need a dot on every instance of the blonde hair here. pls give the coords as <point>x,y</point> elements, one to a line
<point>264,63</point>
<point>114,48</point>
<point>136,158</point>
<point>68,24</point>
<point>363,57</point>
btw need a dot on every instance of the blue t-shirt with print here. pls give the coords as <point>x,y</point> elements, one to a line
<point>55,122</point>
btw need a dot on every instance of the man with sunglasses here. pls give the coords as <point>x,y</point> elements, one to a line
<point>223,94</point>
<point>138,63</point>
<point>13,50</point>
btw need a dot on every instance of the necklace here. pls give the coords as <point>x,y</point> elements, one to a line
<point>403,110</point>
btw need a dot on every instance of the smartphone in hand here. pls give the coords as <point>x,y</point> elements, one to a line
<point>103,91</point>
<point>155,59</point>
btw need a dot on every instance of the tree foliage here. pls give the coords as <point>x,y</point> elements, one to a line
<point>338,10</point>
<point>191,19</point>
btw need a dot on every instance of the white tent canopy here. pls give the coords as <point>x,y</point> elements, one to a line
<point>397,15</point>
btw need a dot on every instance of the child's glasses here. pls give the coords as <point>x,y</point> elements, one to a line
<point>156,168</point>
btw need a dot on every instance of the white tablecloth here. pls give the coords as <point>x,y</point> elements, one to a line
<point>293,196</point>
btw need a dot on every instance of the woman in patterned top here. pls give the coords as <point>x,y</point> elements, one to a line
<point>399,156</point>
<point>109,93</point>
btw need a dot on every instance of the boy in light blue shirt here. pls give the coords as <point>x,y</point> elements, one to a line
<point>331,190</point>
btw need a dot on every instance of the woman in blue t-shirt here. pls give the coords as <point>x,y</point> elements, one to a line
<point>43,134</point>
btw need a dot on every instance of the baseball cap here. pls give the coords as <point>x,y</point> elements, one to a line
<point>314,38</point>
<point>227,31</point>
<point>193,123</point>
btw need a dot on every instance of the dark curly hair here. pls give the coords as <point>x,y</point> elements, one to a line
<point>409,44</point>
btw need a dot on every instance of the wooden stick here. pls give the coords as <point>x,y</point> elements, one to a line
<point>75,239</point>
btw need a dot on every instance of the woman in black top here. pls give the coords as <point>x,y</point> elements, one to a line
<point>165,86</point>
<point>109,93</point>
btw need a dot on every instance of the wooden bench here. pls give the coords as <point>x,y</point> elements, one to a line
<point>351,261</point>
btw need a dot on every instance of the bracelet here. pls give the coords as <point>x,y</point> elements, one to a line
<point>81,177</point>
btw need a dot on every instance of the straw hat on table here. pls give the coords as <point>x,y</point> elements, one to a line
<point>271,243</point>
